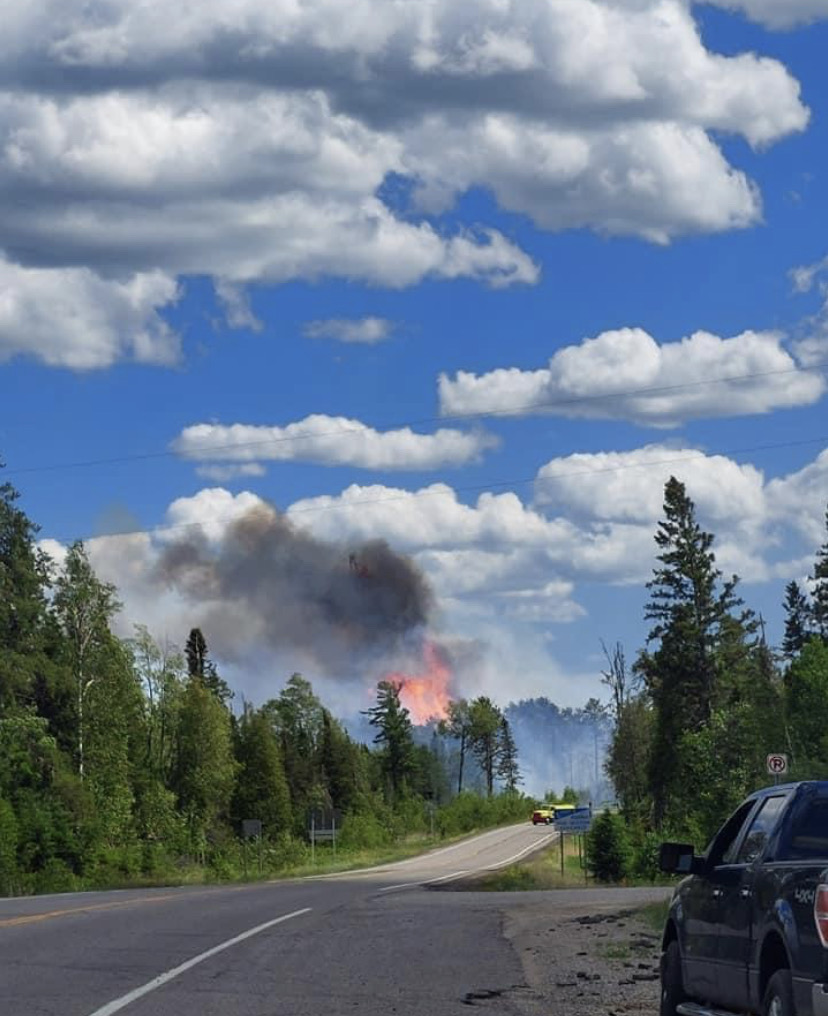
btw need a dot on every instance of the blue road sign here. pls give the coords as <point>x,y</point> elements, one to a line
<point>578,821</point>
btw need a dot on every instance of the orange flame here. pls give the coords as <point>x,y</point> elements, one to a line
<point>426,695</point>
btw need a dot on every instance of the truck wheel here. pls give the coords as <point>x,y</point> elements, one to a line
<point>779,995</point>
<point>672,983</point>
<point>549,821</point>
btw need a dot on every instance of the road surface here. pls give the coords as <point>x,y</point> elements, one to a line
<point>377,942</point>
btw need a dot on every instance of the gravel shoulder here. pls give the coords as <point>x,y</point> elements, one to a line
<point>586,958</point>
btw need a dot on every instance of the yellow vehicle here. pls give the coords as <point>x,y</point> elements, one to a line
<point>547,815</point>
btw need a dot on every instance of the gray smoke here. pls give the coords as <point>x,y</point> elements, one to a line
<point>272,585</point>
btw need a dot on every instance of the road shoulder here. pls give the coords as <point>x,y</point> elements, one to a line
<point>588,958</point>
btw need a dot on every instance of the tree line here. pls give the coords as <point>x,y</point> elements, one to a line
<point>708,698</point>
<point>123,759</point>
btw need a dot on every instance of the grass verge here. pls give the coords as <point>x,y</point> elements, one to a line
<point>541,871</point>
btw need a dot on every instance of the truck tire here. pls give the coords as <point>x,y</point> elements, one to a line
<point>778,999</point>
<point>672,982</point>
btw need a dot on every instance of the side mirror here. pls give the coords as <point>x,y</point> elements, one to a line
<point>679,859</point>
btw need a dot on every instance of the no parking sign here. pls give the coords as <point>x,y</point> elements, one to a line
<point>777,765</point>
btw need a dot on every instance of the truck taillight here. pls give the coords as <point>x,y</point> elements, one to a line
<point>821,913</point>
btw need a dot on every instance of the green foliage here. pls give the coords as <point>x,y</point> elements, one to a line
<point>485,721</point>
<point>608,851</point>
<point>393,723</point>
<point>205,770</point>
<point>807,711</point>
<point>261,786</point>
<point>819,577</point>
<point>8,849</point>
<point>692,611</point>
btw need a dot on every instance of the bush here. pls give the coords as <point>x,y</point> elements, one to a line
<point>364,832</point>
<point>8,850</point>
<point>608,849</point>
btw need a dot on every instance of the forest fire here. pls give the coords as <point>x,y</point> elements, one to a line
<point>426,695</point>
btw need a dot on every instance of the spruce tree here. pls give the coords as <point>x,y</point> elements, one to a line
<point>820,589</point>
<point>693,613</point>
<point>507,763</point>
<point>797,621</point>
<point>394,734</point>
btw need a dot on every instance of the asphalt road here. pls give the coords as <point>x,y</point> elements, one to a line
<point>376,943</point>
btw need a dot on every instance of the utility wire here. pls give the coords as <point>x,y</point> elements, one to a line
<point>206,453</point>
<point>494,485</point>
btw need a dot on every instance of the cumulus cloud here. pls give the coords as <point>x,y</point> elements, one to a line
<point>72,317</point>
<point>502,569</point>
<point>250,141</point>
<point>361,331</point>
<point>333,441</point>
<point>626,374</point>
<point>777,13</point>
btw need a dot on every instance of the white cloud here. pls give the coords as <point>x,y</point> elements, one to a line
<point>503,570</point>
<point>365,331</point>
<point>626,374</point>
<point>237,309</point>
<point>333,441</point>
<point>72,317</point>
<point>628,487</point>
<point>777,13</point>
<point>249,141</point>
<point>812,348</point>
<point>223,474</point>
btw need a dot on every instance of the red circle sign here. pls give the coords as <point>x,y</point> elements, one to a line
<point>777,764</point>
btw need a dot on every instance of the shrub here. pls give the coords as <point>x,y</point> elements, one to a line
<point>8,849</point>
<point>608,849</point>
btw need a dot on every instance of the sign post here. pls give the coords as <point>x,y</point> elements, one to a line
<point>251,830</point>
<point>777,766</point>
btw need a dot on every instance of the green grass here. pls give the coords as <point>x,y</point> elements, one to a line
<point>654,915</point>
<point>541,871</point>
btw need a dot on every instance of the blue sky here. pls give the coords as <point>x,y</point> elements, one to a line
<point>194,225</point>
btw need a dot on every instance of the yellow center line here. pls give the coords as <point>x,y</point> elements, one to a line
<point>13,922</point>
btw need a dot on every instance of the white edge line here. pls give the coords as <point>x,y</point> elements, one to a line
<point>430,881</point>
<point>411,860</point>
<point>516,857</point>
<point>121,1003</point>
<point>539,845</point>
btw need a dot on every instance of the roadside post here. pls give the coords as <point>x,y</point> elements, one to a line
<point>251,830</point>
<point>777,766</point>
<point>322,827</point>
<point>578,822</point>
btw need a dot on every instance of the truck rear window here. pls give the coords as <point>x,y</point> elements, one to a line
<point>808,836</point>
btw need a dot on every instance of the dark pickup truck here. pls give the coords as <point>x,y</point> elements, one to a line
<point>747,930</point>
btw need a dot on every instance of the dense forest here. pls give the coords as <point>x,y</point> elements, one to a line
<point>123,760</point>
<point>707,698</point>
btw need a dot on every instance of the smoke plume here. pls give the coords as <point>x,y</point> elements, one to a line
<point>271,584</point>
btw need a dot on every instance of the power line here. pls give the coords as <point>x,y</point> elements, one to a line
<point>493,485</point>
<point>205,454</point>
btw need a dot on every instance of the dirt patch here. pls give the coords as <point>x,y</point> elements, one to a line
<point>601,963</point>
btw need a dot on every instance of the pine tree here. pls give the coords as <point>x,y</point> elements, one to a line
<point>394,734</point>
<point>691,608</point>
<point>199,665</point>
<point>820,589</point>
<point>797,621</point>
<point>457,726</point>
<point>507,763</point>
<point>484,737</point>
